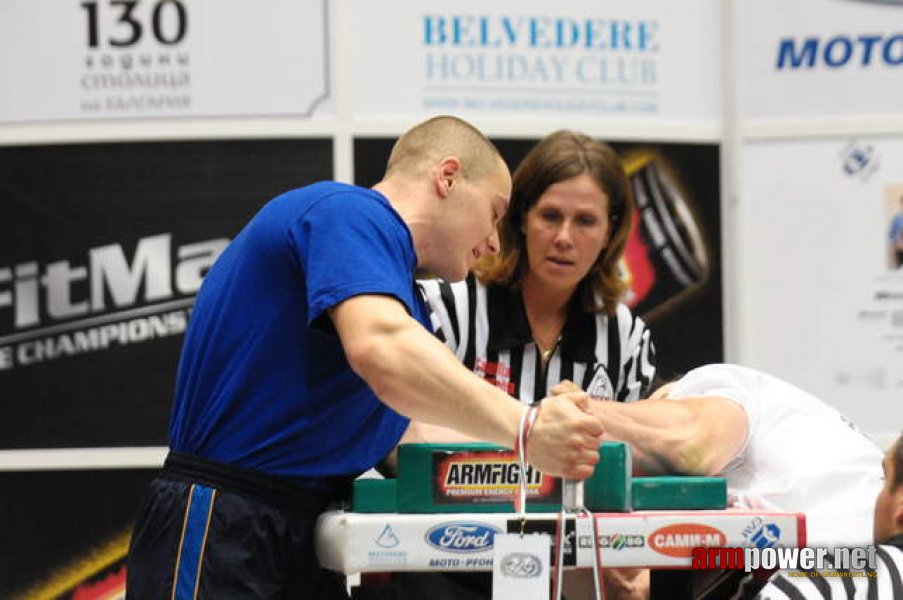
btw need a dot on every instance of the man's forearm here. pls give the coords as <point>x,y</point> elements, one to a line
<point>653,433</point>
<point>419,377</point>
<point>693,436</point>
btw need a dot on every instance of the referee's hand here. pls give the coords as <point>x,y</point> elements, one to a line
<point>565,440</point>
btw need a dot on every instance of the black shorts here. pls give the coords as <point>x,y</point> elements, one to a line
<point>207,530</point>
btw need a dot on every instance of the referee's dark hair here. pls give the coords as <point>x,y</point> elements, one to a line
<point>560,156</point>
<point>662,378</point>
<point>897,457</point>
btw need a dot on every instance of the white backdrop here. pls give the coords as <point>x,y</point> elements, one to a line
<point>825,306</point>
<point>817,155</point>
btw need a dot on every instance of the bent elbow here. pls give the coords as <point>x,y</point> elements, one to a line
<point>691,451</point>
<point>372,361</point>
<point>693,459</point>
<point>360,355</point>
<point>369,362</point>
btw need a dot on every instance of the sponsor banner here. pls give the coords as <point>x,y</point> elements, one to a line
<point>73,547</point>
<point>103,248</point>
<point>488,477</point>
<point>824,265</point>
<point>353,542</point>
<point>812,58</point>
<point>673,257</point>
<point>108,59</point>
<point>657,59</point>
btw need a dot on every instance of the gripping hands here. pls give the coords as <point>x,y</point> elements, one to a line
<point>565,440</point>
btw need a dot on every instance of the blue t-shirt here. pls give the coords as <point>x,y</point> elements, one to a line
<point>896,227</point>
<point>263,381</point>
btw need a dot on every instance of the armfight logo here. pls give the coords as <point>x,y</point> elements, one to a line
<point>59,309</point>
<point>475,477</point>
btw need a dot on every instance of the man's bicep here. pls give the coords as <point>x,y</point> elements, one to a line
<point>367,315</point>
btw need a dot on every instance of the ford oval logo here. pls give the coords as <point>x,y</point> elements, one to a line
<point>461,537</point>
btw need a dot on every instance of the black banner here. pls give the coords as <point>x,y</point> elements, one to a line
<point>65,533</point>
<point>103,248</point>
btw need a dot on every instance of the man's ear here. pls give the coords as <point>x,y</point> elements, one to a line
<point>447,174</point>
<point>898,509</point>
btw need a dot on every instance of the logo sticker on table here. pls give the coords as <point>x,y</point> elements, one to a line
<point>387,539</point>
<point>678,540</point>
<point>461,536</point>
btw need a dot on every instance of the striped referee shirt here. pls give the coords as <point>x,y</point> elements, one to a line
<point>886,584</point>
<point>610,357</point>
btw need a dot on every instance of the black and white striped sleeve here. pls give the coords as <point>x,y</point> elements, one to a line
<point>884,583</point>
<point>637,356</point>
<point>448,307</point>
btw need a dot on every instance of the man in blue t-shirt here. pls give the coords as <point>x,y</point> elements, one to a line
<point>307,352</point>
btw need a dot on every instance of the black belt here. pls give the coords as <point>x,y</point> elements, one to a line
<point>277,491</point>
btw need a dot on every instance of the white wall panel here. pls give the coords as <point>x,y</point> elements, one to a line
<point>824,303</point>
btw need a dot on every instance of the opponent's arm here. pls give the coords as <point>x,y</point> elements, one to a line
<point>416,375</point>
<point>689,436</point>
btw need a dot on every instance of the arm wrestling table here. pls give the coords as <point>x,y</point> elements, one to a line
<point>387,542</point>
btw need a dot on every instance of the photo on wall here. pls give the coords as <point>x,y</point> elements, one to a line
<point>673,257</point>
<point>893,210</point>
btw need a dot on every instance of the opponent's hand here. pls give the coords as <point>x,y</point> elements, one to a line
<point>565,440</point>
<point>564,386</point>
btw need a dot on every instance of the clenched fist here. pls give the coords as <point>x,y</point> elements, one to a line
<point>565,440</point>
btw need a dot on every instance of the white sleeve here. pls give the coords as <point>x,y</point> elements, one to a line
<point>730,383</point>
